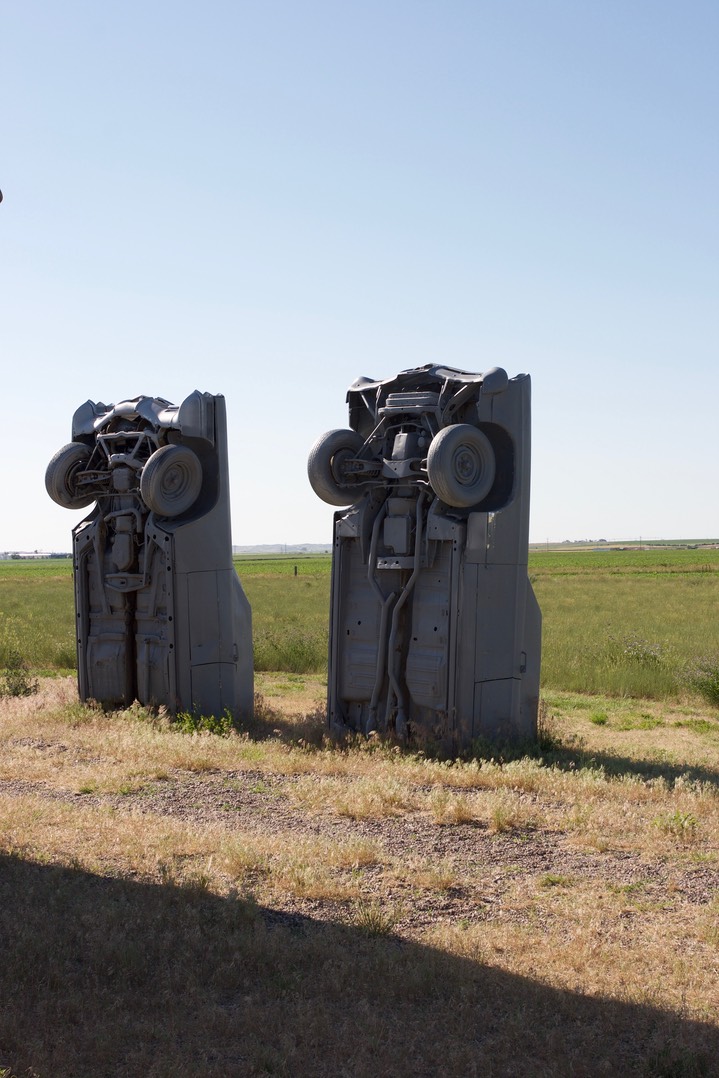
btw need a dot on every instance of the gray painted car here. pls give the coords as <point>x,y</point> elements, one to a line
<point>161,614</point>
<point>435,632</point>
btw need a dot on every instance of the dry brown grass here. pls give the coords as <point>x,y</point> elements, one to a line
<point>267,903</point>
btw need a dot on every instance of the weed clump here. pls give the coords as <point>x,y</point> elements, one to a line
<point>680,825</point>
<point>16,679</point>
<point>632,649</point>
<point>703,676</point>
<point>373,919</point>
<point>193,722</point>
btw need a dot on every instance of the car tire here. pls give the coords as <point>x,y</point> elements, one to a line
<point>61,476</point>
<point>171,480</point>
<point>324,466</point>
<point>461,465</point>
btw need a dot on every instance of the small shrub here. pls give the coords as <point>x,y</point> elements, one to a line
<point>16,679</point>
<point>599,718</point>
<point>190,722</point>
<point>681,825</point>
<point>505,815</point>
<point>373,919</point>
<point>703,676</point>
<point>632,649</point>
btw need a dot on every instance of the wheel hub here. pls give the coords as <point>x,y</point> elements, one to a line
<point>466,466</point>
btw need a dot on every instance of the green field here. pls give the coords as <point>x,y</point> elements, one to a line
<point>289,613</point>
<point>634,622</point>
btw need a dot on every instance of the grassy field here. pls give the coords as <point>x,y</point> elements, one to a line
<point>629,622</point>
<point>289,613</point>
<point>638,623</point>
<point>266,903</point>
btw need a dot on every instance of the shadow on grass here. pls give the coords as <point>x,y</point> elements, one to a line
<point>573,758</point>
<point>311,729</point>
<point>104,977</point>
<point>267,722</point>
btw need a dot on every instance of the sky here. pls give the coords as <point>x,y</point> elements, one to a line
<point>269,198</point>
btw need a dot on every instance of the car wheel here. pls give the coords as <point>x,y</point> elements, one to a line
<point>324,466</point>
<point>62,473</point>
<point>171,480</point>
<point>460,465</point>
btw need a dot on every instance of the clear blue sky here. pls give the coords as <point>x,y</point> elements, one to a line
<point>267,199</point>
